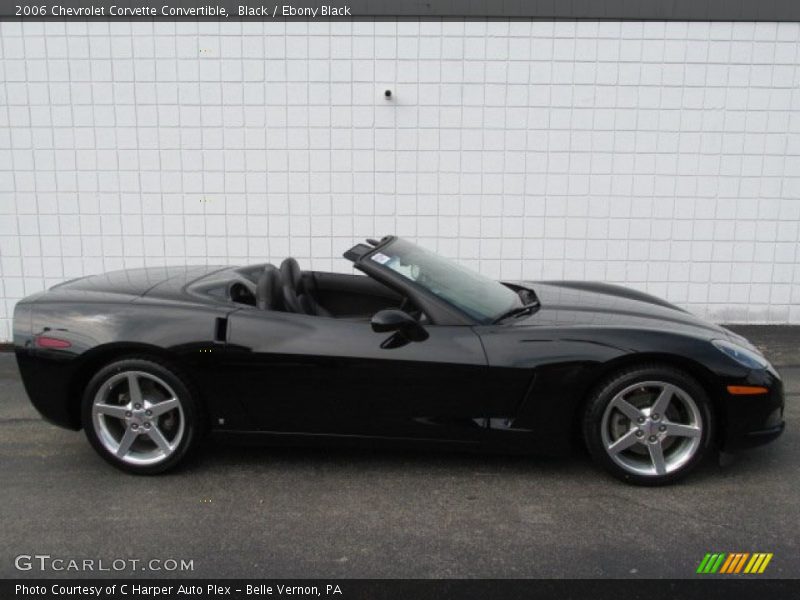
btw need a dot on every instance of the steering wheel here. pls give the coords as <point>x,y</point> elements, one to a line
<point>240,292</point>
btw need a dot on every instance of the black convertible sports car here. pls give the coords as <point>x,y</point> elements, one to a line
<point>421,350</point>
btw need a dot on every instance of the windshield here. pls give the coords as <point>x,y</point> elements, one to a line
<point>481,298</point>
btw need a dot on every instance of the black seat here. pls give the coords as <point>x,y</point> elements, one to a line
<point>296,297</point>
<point>269,289</point>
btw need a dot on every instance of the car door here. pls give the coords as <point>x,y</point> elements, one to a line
<point>321,375</point>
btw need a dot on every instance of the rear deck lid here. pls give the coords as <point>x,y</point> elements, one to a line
<point>128,283</point>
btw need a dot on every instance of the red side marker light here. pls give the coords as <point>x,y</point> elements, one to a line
<point>746,390</point>
<point>51,342</point>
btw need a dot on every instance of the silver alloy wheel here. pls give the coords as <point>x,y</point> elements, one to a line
<point>138,418</point>
<point>652,428</point>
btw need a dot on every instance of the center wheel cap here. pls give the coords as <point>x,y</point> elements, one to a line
<point>138,419</point>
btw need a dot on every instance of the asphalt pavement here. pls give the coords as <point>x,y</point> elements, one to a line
<point>323,513</point>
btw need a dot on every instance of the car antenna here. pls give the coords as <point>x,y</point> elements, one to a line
<point>372,242</point>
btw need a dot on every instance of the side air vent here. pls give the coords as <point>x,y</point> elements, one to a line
<point>221,330</point>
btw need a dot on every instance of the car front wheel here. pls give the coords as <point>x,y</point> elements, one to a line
<point>140,416</point>
<point>649,425</point>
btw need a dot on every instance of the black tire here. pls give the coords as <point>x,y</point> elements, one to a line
<point>630,463</point>
<point>190,413</point>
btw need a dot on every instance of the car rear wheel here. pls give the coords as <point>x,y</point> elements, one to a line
<point>140,416</point>
<point>649,425</point>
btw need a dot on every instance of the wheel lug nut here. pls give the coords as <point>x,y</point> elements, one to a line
<point>134,426</point>
<point>655,417</point>
<point>147,425</point>
<point>662,428</point>
<point>149,413</point>
<point>652,438</point>
<point>137,406</point>
<point>127,413</point>
<point>641,419</point>
<point>639,433</point>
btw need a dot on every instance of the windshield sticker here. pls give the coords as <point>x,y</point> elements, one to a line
<point>381,259</point>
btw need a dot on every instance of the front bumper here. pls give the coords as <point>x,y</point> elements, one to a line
<point>750,421</point>
<point>763,436</point>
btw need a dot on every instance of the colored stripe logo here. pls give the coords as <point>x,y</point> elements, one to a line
<point>734,563</point>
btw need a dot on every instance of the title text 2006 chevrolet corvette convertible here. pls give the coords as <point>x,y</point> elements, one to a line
<point>421,350</point>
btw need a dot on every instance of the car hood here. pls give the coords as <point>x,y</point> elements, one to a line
<point>589,304</point>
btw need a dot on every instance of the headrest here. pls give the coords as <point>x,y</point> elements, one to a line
<point>290,272</point>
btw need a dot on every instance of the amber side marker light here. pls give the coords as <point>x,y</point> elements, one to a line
<point>51,342</point>
<point>747,390</point>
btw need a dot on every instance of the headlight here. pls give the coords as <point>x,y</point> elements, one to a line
<point>743,356</point>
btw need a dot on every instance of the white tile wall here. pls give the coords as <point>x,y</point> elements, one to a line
<point>665,156</point>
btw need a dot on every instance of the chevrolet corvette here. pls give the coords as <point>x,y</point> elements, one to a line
<point>414,349</point>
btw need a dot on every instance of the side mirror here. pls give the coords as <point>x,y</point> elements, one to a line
<point>404,325</point>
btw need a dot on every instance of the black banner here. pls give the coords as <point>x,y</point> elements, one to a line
<point>705,588</point>
<point>172,10</point>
